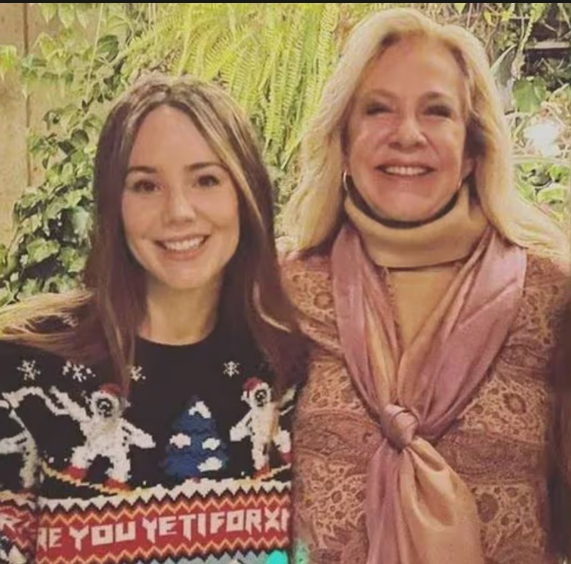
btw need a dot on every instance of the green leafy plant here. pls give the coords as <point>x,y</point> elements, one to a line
<point>53,220</point>
<point>274,59</point>
<point>543,146</point>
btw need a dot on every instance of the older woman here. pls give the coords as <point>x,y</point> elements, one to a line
<point>429,290</point>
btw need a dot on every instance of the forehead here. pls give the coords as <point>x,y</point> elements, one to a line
<point>169,133</point>
<point>414,65</point>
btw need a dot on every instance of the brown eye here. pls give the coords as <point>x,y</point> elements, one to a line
<point>439,110</point>
<point>207,181</point>
<point>144,187</point>
<point>376,108</point>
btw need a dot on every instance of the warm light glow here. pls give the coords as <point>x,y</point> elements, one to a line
<point>542,135</point>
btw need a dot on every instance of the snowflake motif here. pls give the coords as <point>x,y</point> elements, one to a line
<point>79,372</point>
<point>231,368</point>
<point>29,369</point>
<point>137,374</point>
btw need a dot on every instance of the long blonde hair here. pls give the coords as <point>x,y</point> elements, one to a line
<point>315,211</point>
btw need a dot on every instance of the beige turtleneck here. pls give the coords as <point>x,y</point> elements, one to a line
<point>420,262</point>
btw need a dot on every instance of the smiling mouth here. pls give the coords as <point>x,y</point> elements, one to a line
<point>405,171</point>
<point>183,245</point>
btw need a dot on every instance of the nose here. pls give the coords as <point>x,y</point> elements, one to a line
<point>179,206</point>
<point>408,133</point>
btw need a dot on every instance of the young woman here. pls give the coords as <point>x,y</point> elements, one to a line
<point>147,417</point>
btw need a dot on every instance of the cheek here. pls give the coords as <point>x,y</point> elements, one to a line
<point>364,137</point>
<point>234,229</point>
<point>224,211</point>
<point>137,222</point>
<point>127,215</point>
<point>454,144</point>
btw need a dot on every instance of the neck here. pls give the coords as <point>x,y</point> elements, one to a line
<point>180,318</point>
<point>398,224</point>
<point>448,236</point>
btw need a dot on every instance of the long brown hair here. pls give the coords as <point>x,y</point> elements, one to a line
<point>111,310</point>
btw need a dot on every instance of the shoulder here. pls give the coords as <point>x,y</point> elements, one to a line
<point>536,327</point>
<point>12,353</point>
<point>22,366</point>
<point>543,267</point>
<point>308,282</point>
<point>306,274</point>
<point>547,281</point>
<point>29,366</point>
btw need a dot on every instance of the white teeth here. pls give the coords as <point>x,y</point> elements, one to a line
<point>186,245</point>
<point>406,170</point>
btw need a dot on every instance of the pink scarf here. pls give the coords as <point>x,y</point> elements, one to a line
<point>418,509</point>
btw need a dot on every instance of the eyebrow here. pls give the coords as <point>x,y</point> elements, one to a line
<point>428,96</point>
<point>188,168</point>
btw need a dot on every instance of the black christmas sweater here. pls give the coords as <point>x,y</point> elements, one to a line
<point>193,467</point>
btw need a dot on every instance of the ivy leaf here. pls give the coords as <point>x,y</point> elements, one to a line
<point>54,209</point>
<point>526,189</point>
<point>83,14</point>
<point>82,222</point>
<point>79,138</point>
<point>60,283</point>
<point>47,45</point>
<point>73,198</point>
<point>48,9</point>
<point>6,296</point>
<point>108,47</point>
<point>3,253</point>
<point>10,266</point>
<point>72,260</point>
<point>30,287</point>
<point>66,13</point>
<point>559,173</point>
<point>40,249</point>
<point>529,94</point>
<point>31,224</point>
<point>8,59</point>
<point>553,193</point>
<point>32,67</point>
<point>527,167</point>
